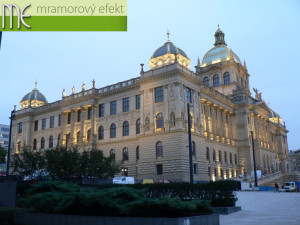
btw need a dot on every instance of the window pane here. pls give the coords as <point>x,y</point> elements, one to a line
<point>113,107</point>
<point>44,124</point>
<point>188,95</point>
<point>159,94</point>
<point>126,104</point>
<point>138,101</point>
<point>101,110</point>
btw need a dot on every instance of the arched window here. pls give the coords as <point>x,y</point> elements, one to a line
<point>207,154</point>
<point>18,146</point>
<point>159,120</point>
<point>125,154</point>
<point>42,143</point>
<point>101,133</point>
<point>112,154</point>
<point>216,80</point>
<point>220,156</point>
<point>113,130</point>
<point>125,128</point>
<point>159,149</point>
<point>226,77</point>
<point>225,157</point>
<point>193,148</point>
<point>230,158</point>
<point>88,135</point>
<point>172,119</point>
<point>58,140</point>
<point>214,155</point>
<point>206,81</point>
<point>51,141</point>
<point>138,126</point>
<point>78,137</point>
<point>34,144</point>
<point>137,152</point>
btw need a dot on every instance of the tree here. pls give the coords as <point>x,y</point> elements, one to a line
<point>27,162</point>
<point>93,163</point>
<point>62,163</point>
<point>3,153</point>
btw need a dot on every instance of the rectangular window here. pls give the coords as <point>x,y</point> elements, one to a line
<point>20,128</point>
<point>89,113</point>
<point>44,124</point>
<point>138,101</point>
<point>159,169</point>
<point>79,115</point>
<point>188,95</point>
<point>113,107</point>
<point>195,169</point>
<point>101,110</point>
<point>59,120</point>
<point>52,121</point>
<point>159,94</point>
<point>36,125</point>
<point>69,117</point>
<point>126,104</point>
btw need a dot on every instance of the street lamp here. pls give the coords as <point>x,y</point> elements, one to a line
<point>254,163</point>
<point>190,145</point>
<point>12,115</point>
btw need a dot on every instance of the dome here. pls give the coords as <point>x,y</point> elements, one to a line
<point>220,52</point>
<point>274,114</point>
<point>168,48</point>
<point>33,99</point>
<point>274,117</point>
<point>165,55</point>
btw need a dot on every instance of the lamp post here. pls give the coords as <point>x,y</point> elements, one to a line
<point>254,163</point>
<point>190,145</point>
<point>12,115</point>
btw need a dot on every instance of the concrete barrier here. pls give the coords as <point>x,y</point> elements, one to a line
<point>29,218</point>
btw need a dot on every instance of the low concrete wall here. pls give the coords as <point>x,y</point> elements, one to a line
<point>28,218</point>
<point>8,193</point>
<point>226,210</point>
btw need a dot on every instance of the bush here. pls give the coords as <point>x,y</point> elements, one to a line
<point>58,197</point>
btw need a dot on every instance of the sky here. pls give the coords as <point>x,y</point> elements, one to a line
<point>263,33</point>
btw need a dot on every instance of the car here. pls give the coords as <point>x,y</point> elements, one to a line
<point>123,180</point>
<point>148,181</point>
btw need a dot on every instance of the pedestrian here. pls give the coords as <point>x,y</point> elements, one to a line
<point>276,187</point>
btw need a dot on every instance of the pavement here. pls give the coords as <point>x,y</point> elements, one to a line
<point>265,208</point>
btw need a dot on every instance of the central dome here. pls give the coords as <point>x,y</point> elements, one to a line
<point>168,54</point>
<point>33,99</point>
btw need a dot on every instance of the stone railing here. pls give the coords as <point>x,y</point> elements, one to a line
<point>268,177</point>
<point>118,85</point>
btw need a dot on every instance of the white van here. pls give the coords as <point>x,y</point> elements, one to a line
<point>123,180</point>
<point>258,174</point>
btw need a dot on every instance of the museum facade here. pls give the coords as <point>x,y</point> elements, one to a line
<point>143,122</point>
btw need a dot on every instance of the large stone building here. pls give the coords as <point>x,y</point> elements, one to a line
<point>142,122</point>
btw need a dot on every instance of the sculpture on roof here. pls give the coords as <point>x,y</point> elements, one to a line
<point>257,94</point>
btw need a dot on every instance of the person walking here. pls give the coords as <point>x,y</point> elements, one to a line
<point>276,187</point>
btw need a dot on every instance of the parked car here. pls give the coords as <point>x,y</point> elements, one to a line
<point>123,180</point>
<point>291,186</point>
<point>162,181</point>
<point>148,181</point>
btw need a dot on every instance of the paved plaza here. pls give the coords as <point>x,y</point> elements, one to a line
<point>265,208</point>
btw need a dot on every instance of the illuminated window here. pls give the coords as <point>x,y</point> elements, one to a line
<point>125,154</point>
<point>159,120</point>
<point>51,141</point>
<point>159,149</point>
<point>125,128</point>
<point>216,81</point>
<point>159,94</point>
<point>112,131</point>
<point>206,81</point>
<point>101,133</point>
<point>226,78</point>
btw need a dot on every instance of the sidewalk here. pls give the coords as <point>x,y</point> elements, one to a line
<point>265,208</point>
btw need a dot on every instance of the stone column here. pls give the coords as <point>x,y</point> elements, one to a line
<point>93,126</point>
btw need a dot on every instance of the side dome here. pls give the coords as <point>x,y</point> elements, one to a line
<point>274,117</point>
<point>33,99</point>
<point>166,54</point>
<point>220,52</point>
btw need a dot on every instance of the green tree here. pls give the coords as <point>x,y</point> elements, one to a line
<point>27,162</point>
<point>3,153</point>
<point>62,163</point>
<point>93,163</point>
